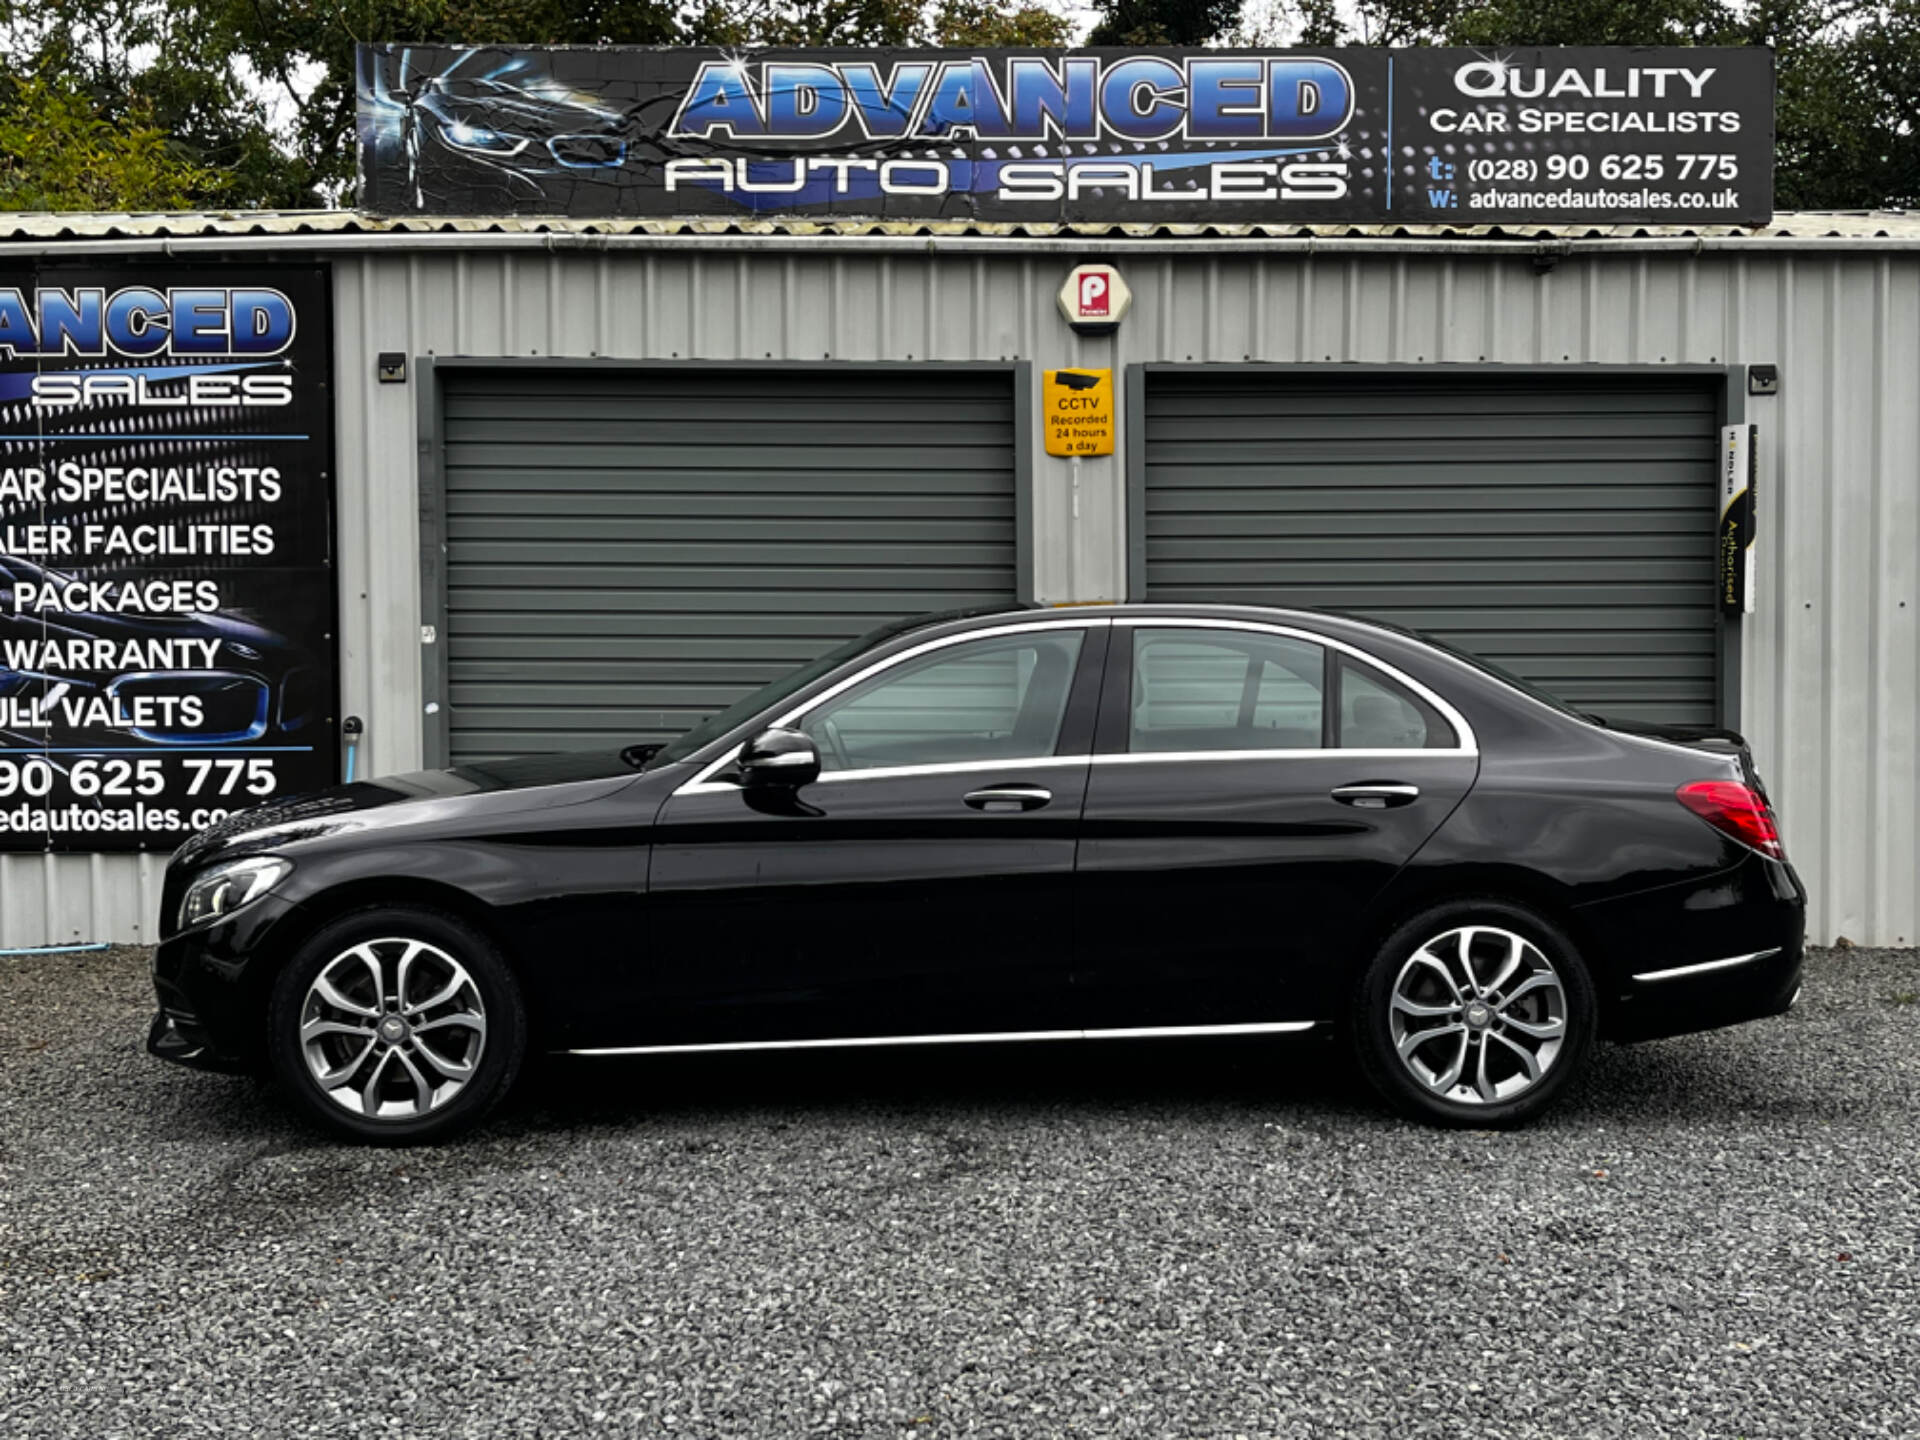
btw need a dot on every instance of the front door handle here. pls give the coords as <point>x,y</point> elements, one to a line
<point>1376,794</point>
<point>1010,797</point>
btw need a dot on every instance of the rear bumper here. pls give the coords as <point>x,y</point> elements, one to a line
<point>1699,955</point>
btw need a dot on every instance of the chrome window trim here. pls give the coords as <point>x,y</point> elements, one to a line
<point>1469,744</point>
<point>985,1037</point>
<point>703,784</point>
<point>1147,757</point>
<point>1680,972</point>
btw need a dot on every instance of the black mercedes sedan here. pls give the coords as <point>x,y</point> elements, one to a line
<point>1114,822</point>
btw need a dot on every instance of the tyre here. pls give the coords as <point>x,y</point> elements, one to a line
<point>1475,1014</point>
<point>397,1025</point>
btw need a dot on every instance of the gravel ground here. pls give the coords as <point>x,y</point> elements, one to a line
<point>1712,1236</point>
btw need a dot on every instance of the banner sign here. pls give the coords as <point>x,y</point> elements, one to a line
<point>166,524</point>
<point>1734,570</point>
<point>1529,136</point>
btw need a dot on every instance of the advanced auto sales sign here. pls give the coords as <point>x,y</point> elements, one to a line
<point>166,596</point>
<point>1529,136</point>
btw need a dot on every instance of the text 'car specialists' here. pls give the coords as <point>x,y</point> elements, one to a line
<point>1174,136</point>
<point>166,606</point>
<point>1593,132</point>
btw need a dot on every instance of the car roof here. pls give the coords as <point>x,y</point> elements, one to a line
<point>1066,612</point>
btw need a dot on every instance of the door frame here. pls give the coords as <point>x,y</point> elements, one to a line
<point>1730,380</point>
<point>430,434</point>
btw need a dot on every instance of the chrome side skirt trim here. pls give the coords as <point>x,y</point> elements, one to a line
<point>1680,972</point>
<point>990,1037</point>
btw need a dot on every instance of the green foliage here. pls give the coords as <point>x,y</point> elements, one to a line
<point>1164,22</point>
<point>57,152</point>
<point>972,24</point>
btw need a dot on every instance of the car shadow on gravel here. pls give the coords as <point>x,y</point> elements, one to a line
<point>1309,1081</point>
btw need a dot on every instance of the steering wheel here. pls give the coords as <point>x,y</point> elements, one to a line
<point>832,733</point>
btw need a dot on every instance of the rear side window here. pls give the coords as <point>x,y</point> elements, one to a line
<point>1378,714</point>
<point>1198,690</point>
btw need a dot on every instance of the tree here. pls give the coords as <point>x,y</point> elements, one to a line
<point>57,152</point>
<point>94,52</point>
<point>1164,22</point>
<point>976,24</point>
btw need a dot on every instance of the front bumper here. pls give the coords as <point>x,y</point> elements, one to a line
<point>212,985</point>
<point>179,1037</point>
<point>1700,955</point>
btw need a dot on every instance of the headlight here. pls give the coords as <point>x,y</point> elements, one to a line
<point>482,141</point>
<point>218,892</point>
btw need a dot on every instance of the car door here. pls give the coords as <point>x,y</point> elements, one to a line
<point>921,885</point>
<point>1253,789</point>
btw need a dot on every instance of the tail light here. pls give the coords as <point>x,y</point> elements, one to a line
<point>1734,809</point>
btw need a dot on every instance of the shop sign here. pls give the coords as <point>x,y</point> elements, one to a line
<point>1512,137</point>
<point>166,514</point>
<point>1079,411</point>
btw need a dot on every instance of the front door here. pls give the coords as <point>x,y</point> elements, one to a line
<point>921,886</point>
<point>1255,789</point>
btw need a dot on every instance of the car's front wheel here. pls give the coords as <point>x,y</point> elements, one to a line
<point>1475,1014</point>
<point>397,1025</point>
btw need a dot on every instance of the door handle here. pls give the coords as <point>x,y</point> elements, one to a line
<point>1002,797</point>
<point>1376,794</point>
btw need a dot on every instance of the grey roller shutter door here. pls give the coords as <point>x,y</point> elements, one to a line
<point>1562,527</point>
<point>629,550</point>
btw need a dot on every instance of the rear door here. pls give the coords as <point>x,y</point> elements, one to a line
<point>1253,789</point>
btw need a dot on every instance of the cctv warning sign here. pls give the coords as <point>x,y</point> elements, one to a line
<point>1079,411</point>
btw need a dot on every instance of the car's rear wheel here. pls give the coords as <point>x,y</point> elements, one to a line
<point>1476,1014</point>
<point>397,1025</point>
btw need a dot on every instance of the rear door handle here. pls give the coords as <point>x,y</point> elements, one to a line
<point>1010,797</point>
<point>1376,794</point>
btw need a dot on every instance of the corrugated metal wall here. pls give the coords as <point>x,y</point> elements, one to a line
<point>1831,681</point>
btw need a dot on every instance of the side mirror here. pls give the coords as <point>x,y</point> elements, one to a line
<point>776,758</point>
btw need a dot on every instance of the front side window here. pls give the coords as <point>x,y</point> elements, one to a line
<point>1198,690</point>
<point>996,699</point>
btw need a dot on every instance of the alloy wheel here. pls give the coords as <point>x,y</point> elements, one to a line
<point>1478,1015</point>
<point>392,1029</point>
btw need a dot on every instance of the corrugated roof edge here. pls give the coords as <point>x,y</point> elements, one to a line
<point>31,231</point>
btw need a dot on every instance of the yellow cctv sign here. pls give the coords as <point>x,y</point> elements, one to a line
<point>1079,410</point>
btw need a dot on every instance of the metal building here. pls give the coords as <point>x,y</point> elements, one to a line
<point>633,470</point>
